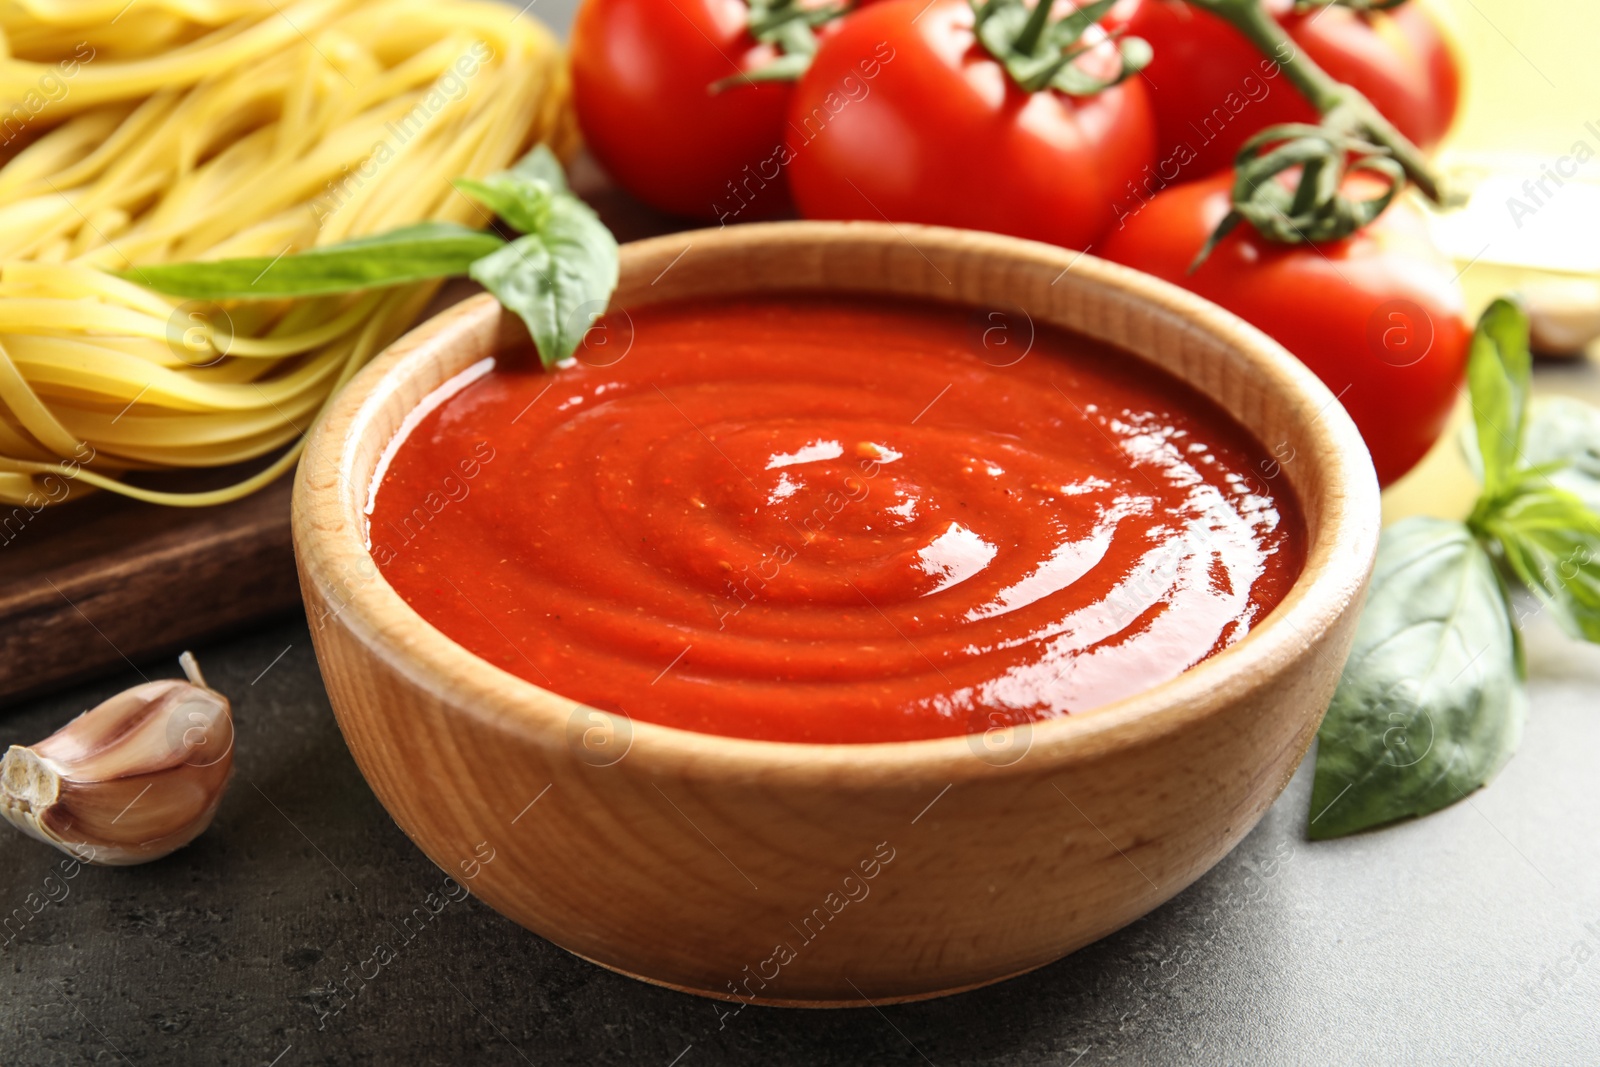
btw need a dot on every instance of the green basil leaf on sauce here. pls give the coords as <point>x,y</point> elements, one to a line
<point>1431,704</point>
<point>1551,541</point>
<point>416,253</point>
<point>523,208</point>
<point>1499,371</point>
<point>558,278</point>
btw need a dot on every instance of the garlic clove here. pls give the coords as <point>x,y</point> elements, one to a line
<point>1563,315</point>
<point>130,780</point>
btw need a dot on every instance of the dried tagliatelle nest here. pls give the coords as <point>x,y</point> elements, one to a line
<point>173,130</point>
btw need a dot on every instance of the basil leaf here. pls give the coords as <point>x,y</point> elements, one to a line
<point>522,195</point>
<point>1564,441</point>
<point>1551,542</point>
<point>524,208</point>
<point>541,166</point>
<point>1430,705</point>
<point>410,254</point>
<point>1499,369</point>
<point>557,279</point>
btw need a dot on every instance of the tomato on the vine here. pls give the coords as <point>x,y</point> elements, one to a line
<point>1378,316</point>
<point>906,115</point>
<point>1211,89</point>
<point>643,73</point>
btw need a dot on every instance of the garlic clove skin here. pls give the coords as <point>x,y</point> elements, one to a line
<point>1563,315</point>
<point>132,779</point>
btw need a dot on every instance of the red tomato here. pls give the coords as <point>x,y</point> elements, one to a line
<point>642,72</point>
<point>1435,51</point>
<point>904,116</point>
<point>1211,89</point>
<point>1378,316</point>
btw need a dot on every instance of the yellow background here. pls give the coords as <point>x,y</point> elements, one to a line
<point>1533,73</point>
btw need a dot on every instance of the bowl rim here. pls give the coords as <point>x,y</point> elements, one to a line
<point>1338,562</point>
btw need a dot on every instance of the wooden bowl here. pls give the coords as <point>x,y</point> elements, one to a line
<point>837,874</point>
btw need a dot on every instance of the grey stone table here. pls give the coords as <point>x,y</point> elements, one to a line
<point>1469,937</point>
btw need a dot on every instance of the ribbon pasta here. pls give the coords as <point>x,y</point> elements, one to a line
<point>169,130</point>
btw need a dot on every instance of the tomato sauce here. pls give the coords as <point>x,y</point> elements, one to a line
<point>816,519</point>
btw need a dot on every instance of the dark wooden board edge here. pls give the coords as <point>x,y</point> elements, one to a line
<point>130,581</point>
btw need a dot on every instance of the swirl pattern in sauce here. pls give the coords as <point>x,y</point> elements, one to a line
<point>809,519</point>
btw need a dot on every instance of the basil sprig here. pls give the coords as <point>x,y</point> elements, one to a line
<point>1564,437</point>
<point>409,254</point>
<point>1431,703</point>
<point>1499,376</point>
<point>558,277</point>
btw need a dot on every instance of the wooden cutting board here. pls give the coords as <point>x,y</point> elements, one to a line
<point>104,583</point>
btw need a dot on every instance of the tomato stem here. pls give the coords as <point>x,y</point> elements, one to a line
<point>1344,109</point>
<point>1028,40</point>
<point>1302,7</point>
<point>789,27</point>
<point>1041,54</point>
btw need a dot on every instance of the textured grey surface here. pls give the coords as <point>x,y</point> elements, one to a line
<point>1470,937</point>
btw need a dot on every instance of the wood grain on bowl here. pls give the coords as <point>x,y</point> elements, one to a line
<point>834,874</point>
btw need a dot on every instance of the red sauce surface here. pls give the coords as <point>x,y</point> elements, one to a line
<point>820,520</point>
